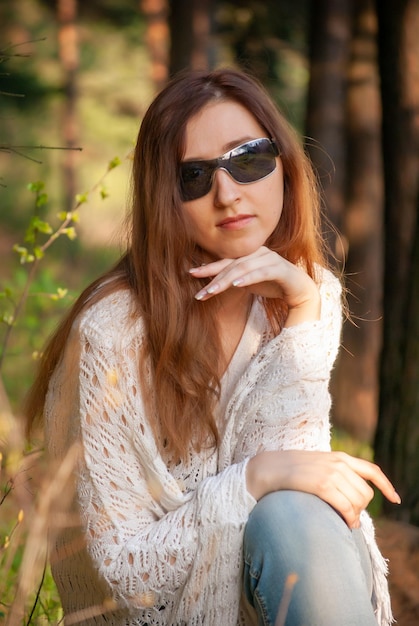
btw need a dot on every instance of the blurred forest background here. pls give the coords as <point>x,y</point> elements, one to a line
<point>75,80</point>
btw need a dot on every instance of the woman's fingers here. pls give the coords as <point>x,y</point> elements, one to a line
<point>352,492</point>
<point>345,490</point>
<point>229,273</point>
<point>264,272</point>
<point>373,473</point>
<point>334,481</point>
<point>337,478</point>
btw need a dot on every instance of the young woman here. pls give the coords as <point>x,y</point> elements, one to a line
<point>194,379</point>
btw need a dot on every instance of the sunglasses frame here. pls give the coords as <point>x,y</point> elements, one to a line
<point>210,166</point>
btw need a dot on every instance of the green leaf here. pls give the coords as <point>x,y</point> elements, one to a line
<point>30,236</point>
<point>7,318</point>
<point>70,215</point>
<point>37,186</point>
<point>104,193</point>
<point>25,255</point>
<point>36,225</point>
<point>61,293</point>
<point>81,198</point>
<point>114,163</point>
<point>70,232</point>
<point>41,200</point>
<point>6,293</point>
<point>20,249</point>
<point>38,252</point>
<point>41,226</point>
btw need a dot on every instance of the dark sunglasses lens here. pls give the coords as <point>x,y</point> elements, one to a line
<point>195,180</point>
<point>251,166</point>
<point>246,164</point>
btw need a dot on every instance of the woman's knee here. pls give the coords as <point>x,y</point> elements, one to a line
<point>294,533</point>
<point>292,520</point>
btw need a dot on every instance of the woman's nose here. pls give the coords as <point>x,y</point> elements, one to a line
<point>226,189</point>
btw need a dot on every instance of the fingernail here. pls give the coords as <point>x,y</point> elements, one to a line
<point>213,288</point>
<point>237,282</point>
<point>201,294</point>
<point>196,269</point>
<point>398,498</point>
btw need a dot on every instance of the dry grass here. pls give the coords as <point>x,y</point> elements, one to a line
<point>30,494</point>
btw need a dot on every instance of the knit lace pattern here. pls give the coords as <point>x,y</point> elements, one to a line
<point>159,542</point>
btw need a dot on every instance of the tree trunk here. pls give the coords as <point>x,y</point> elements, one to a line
<point>69,57</point>
<point>190,30</point>
<point>157,39</point>
<point>178,36</point>
<point>355,381</point>
<point>330,33</point>
<point>397,437</point>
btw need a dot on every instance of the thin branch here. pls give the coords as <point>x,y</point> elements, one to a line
<point>12,95</point>
<point>16,150</point>
<point>5,146</point>
<point>38,592</point>
<point>35,264</point>
<point>7,489</point>
<point>4,51</point>
<point>25,156</point>
<point>19,307</point>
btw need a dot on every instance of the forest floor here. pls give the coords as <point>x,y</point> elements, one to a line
<point>399,543</point>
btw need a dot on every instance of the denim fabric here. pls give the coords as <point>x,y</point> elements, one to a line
<point>294,533</point>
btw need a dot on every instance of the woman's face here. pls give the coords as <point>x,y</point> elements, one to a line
<point>232,219</point>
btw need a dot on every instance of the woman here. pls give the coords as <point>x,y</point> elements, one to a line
<point>194,378</point>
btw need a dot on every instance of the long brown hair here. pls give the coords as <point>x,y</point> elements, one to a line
<point>181,337</point>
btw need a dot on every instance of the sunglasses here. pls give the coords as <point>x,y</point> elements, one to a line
<point>249,162</point>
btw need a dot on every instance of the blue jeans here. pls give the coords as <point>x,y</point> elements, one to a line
<point>294,537</point>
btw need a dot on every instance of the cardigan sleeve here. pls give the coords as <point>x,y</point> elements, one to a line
<point>283,400</point>
<point>311,347</point>
<point>147,536</point>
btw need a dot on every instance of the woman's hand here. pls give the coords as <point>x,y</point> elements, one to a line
<point>336,477</point>
<point>264,273</point>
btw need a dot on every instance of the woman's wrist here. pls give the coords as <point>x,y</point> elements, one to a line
<point>307,311</point>
<point>252,479</point>
<point>260,480</point>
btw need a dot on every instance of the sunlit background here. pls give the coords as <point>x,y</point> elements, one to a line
<point>75,79</point>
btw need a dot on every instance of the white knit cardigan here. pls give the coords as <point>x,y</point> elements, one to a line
<point>161,542</point>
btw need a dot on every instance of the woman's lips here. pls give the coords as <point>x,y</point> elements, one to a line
<point>235,223</point>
